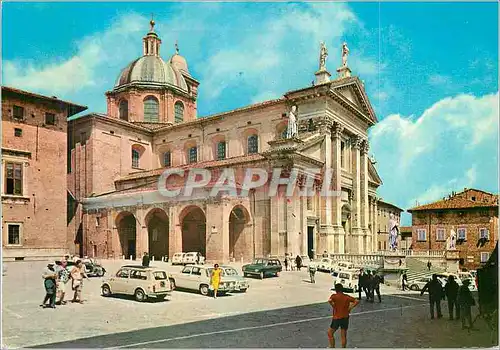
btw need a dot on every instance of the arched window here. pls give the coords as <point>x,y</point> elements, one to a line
<point>135,158</point>
<point>253,144</point>
<point>179,112</point>
<point>123,109</point>
<point>221,150</point>
<point>193,155</point>
<point>167,158</point>
<point>151,110</point>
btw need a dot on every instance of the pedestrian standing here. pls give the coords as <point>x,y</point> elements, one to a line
<point>376,280</point>
<point>286,262</point>
<point>298,262</point>
<point>312,271</point>
<point>145,260</point>
<point>62,280</point>
<point>77,276</point>
<point>436,293</point>
<point>465,301</point>
<point>342,305</point>
<point>451,292</point>
<point>429,265</point>
<point>215,279</point>
<point>50,283</point>
<point>404,281</point>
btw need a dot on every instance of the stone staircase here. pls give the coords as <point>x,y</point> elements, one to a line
<point>418,269</point>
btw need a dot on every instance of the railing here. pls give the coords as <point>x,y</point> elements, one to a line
<point>361,259</point>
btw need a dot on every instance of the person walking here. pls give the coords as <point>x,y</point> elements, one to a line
<point>215,279</point>
<point>62,280</point>
<point>49,282</point>
<point>368,286</point>
<point>145,260</point>
<point>451,292</point>
<point>429,265</point>
<point>465,301</point>
<point>436,293</point>
<point>312,271</point>
<point>376,280</point>
<point>77,276</point>
<point>342,305</point>
<point>298,262</point>
<point>404,282</point>
<point>361,283</point>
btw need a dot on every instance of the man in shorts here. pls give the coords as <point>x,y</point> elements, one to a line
<point>342,305</point>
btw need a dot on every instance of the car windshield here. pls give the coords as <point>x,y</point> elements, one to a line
<point>229,272</point>
<point>191,254</point>
<point>258,261</point>
<point>160,275</point>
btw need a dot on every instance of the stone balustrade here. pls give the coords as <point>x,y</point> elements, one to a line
<point>358,259</point>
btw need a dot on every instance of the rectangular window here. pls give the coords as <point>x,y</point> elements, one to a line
<point>167,158</point>
<point>221,150</point>
<point>342,154</point>
<point>421,234</point>
<point>483,233</point>
<point>440,236</point>
<point>193,155</point>
<point>462,234</point>
<point>14,179</point>
<point>135,158</point>
<point>50,119</point>
<point>18,132</point>
<point>253,144</point>
<point>14,234</point>
<point>485,256</point>
<point>18,112</point>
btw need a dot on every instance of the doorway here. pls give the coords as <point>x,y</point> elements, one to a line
<point>131,248</point>
<point>310,242</point>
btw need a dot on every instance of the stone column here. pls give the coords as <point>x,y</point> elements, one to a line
<point>141,234</point>
<point>356,231</point>
<point>174,232</point>
<point>274,218</point>
<point>339,234</point>
<point>364,196</point>
<point>217,231</point>
<point>326,225</point>
<point>375,223</point>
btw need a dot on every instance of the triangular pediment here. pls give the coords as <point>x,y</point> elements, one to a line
<point>354,92</point>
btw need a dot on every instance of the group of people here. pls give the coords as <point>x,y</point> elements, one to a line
<point>369,284</point>
<point>288,262</point>
<point>460,299</point>
<point>56,278</point>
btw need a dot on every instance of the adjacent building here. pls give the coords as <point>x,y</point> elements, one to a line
<point>472,215</point>
<point>151,125</point>
<point>34,157</point>
<point>384,211</point>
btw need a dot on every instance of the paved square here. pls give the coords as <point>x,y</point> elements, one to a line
<point>286,311</point>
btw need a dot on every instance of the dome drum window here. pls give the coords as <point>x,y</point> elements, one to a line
<point>151,110</point>
<point>123,109</point>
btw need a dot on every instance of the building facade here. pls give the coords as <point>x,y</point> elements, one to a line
<point>384,211</point>
<point>34,143</point>
<point>151,125</point>
<point>472,215</point>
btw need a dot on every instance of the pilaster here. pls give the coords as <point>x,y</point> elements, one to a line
<point>375,224</point>
<point>175,232</point>
<point>141,234</point>
<point>365,214</point>
<point>356,231</point>
<point>339,234</point>
<point>275,218</point>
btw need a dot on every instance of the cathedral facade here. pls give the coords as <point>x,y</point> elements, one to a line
<point>116,161</point>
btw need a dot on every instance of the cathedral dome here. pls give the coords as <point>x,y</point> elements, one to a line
<point>179,63</point>
<point>152,70</point>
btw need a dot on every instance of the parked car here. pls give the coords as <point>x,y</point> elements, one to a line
<point>192,258</point>
<point>419,283</point>
<point>263,267</point>
<point>197,277</point>
<point>242,285</point>
<point>325,264</point>
<point>342,266</point>
<point>141,282</point>
<point>178,259</point>
<point>348,279</point>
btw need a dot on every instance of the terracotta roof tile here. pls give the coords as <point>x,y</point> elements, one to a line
<point>456,202</point>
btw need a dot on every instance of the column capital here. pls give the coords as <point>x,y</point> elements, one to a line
<point>364,147</point>
<point>356,141</point>
<point>336,129</point>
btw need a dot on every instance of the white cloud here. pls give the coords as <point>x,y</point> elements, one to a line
<point>94,53</point>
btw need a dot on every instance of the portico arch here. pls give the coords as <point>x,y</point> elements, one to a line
<point>193,224</point>
<point>157,222</point>
<point>126,225</point>
<point>240,234</point>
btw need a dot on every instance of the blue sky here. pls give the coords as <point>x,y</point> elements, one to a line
<point>430,70</point>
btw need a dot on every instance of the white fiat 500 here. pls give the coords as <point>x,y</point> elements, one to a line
<point>178,259</point>
<point>348,279</point>
<point>192,258</point>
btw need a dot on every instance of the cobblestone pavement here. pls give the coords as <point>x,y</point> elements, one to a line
<point>286,311</point>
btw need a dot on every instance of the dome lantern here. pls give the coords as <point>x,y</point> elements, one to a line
<point>151,42</point>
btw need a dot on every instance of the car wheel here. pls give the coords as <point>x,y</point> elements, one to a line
<point>204,290</point>
<point>100,273</point>
<point>243,290</point>
<point>261,275</point>
<point>106,291</point>
<point>172,284</point>
<point>139,295</point>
